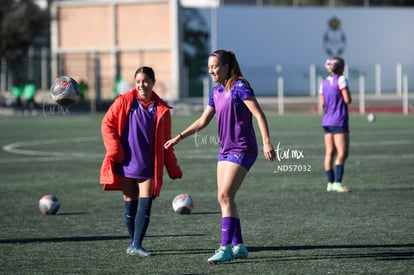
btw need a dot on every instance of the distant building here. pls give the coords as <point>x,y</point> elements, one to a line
<point>99,41</point>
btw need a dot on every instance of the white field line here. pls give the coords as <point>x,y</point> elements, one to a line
<point>197,153</point>
<point>14,148</point>
<point>372,132</point>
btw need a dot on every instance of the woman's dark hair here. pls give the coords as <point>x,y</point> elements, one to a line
<point>339,64</point>
<point>234,73</point>
<point>147,71</point>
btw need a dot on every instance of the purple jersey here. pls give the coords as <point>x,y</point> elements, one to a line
<point>336,110</point>
<point>234,119</point>
<point>138,141</point>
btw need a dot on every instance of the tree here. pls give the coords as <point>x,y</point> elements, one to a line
<point>195,49</point>
<point>20,22</point>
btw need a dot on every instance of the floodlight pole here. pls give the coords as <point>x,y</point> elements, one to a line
<point>312,80</point>
<point>3,76</point>
<point>206,90</point>
<point>405,94</point>
<point>213,31</point>
<point>398,72</point>
<point>280,96</point>
<point>361,94</point>
<point>377,79</point>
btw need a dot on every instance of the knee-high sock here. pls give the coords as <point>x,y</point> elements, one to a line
<point>227,230</point>
<point>237,236</point>
<point>339,172</point>
<point>130,213</point>
<point>142,220</point>
<point>330,175</point>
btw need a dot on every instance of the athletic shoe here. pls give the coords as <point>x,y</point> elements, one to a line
<point>339,188</point>
<point>329,187</point>
<point>223,254</point>
<point>240,251</point>
<point>138,251</point>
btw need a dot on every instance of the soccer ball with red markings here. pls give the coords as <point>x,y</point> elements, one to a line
<point>49,205</point>
<point>65,90</point>
<point>183,204</point>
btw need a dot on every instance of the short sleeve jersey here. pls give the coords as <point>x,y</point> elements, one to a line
<point>138,141</point>
<point>234,119</point>
<point>336,110</point>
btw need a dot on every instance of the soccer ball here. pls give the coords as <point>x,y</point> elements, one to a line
<point>371,117</point>
<point>65,90</point>
<point>183,204</point>
<point>49,205</point>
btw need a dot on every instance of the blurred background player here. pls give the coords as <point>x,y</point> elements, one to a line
<point>83,89</point>
<point>17,92</point>
<point>334,98</point>
<point>121,86</point>
<point>29,92</point>
<point>233,103</point>
<point>134,131</point>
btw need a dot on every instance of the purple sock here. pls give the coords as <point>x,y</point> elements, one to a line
<point>237,236</point>
<point>227,230</point>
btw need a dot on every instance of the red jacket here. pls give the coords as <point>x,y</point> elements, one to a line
<point>112,128</point>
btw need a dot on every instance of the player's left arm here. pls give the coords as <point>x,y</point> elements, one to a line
<point>256,110</point>
<point>346,95</point>
<point>344,88</point>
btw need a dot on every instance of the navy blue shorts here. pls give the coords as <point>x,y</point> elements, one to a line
<point>335,130</point>
<point>243,160</point>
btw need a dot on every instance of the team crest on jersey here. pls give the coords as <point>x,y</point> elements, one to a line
<point>334,39</point>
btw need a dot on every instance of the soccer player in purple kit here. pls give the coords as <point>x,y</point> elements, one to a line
<point>234,104</point>
<point>335,97</point>
<point>134,130</point>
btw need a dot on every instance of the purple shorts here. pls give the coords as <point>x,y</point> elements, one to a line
<point>243,160</point>
<point>335,130</point>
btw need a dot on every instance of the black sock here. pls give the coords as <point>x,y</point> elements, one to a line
<point>142,220</point>
<point>330,175</point>
<point>130,213</point>
<point>339,172</point>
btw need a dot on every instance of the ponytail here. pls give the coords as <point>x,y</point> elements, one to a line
<point>234,73</point>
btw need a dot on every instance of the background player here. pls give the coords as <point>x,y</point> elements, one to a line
<point>335,97</point>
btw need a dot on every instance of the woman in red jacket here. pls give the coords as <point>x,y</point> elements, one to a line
<point>134,131</point>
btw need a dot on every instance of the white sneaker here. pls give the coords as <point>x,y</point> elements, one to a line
<point>138,251</point>
<point>329,187</point>
<point>339,188</point>
<point>223,254</point>
<point>240,251</point>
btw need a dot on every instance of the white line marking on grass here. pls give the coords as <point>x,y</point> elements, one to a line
<point>367,156</point>
<point>199,153</point>
<point>14,148</point>
<point>39,159</point>
<point>369,132</point>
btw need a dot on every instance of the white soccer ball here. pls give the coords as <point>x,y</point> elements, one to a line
<point>183,204</point>
<point>49,205</point>
<point>371,117</point>
<point>65,90</point>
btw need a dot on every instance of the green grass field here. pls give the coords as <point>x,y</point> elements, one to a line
<point>291,225</point>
